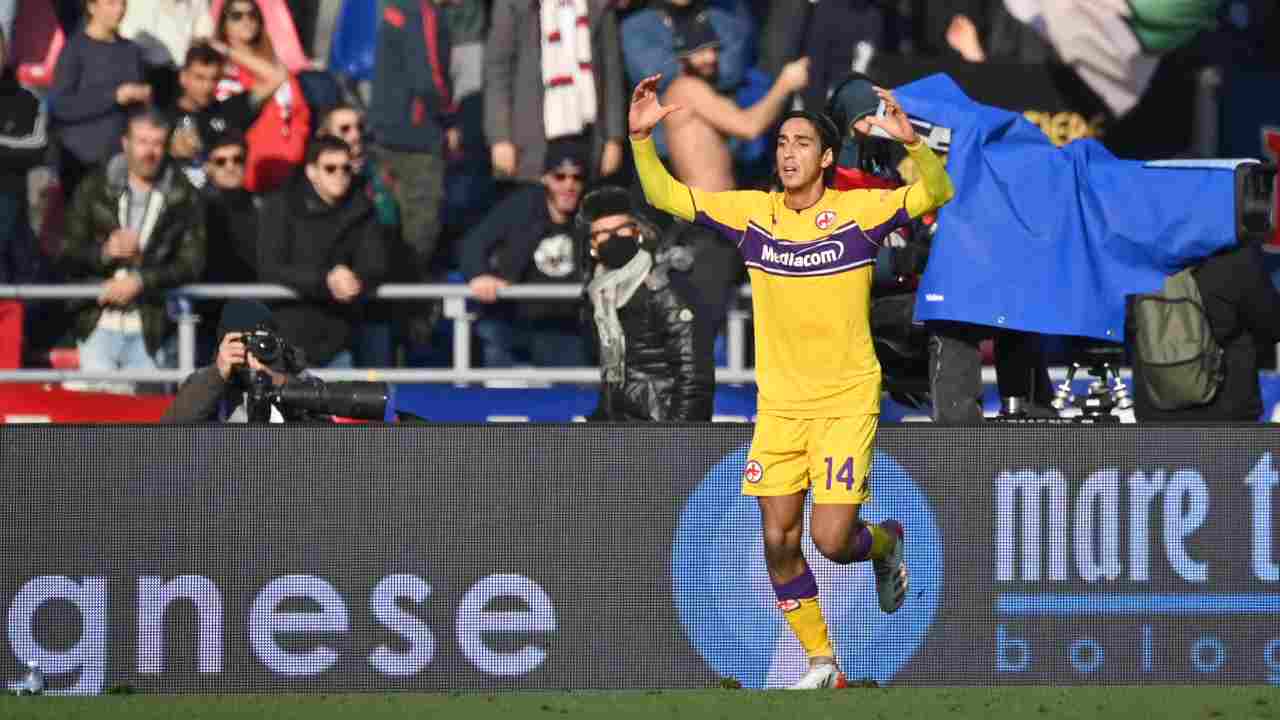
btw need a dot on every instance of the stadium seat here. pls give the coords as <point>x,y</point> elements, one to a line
<point>281,30</point>
<point>355,40</point>
<point>37,42</point>
<point>11,320</point>
<point>64,358</point>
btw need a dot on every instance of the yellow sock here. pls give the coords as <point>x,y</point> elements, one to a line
<point>882,541</point>
<point>806,621</point>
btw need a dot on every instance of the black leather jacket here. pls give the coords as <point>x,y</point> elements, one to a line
<point>670,371</point>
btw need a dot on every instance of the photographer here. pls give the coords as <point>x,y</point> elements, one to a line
<point>224,391</point>
<point>946,354</point>
<point>1240,302</point>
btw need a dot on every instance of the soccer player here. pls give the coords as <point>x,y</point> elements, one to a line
<point>809,251</point>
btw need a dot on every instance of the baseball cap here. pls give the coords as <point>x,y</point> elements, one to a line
<point>565,152</point>
<point>693,33</point>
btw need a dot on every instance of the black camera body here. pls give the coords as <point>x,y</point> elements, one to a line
<point>1257,203</point>
<point>301,397</point>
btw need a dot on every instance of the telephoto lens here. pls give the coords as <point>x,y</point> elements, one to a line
<point>355,400</point>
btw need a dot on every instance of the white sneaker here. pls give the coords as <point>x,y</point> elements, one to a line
<point>821,676</point>
<point>892,579</point>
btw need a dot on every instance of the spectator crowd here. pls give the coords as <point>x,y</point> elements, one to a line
<point>333,146</point>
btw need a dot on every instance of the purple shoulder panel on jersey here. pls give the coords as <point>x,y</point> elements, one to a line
<point>878,233</point>
<point>733,234</point>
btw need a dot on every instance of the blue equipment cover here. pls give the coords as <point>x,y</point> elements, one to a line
<point>1051,240</point>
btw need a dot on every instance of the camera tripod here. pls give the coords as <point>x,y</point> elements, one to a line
<point>1107,392</point>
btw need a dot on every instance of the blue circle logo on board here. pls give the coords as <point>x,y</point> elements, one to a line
<point>727,606</point>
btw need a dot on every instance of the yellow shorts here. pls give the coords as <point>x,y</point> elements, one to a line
<point>831,455</point>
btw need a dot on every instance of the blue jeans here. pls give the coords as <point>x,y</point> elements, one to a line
<point>547,343</point>
<point>114,350</point>
<point>8,13</point>
<point>341,361</point>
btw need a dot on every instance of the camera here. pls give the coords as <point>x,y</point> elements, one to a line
<point>1257,203</point>
<point>265,345</point>
<point>299,397</point>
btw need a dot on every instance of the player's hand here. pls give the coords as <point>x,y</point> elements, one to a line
<point>231,353</point>
<point>646,110</point>
<point>504,156</point>
<point>895,121</point>
<point>485,287</point>
<point>795,75</point>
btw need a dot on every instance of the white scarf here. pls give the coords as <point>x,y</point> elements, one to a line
<point>1095,39</point>
<point>569,87</point>
<point>609,291</point>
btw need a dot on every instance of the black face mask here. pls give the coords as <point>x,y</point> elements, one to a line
<point>617,250</point>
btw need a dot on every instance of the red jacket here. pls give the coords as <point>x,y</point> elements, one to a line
<point>277,139</point>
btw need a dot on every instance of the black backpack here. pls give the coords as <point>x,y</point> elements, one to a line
<point>1181,360</point>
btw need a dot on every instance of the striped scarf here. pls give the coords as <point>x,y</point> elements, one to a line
<point>569,100</point>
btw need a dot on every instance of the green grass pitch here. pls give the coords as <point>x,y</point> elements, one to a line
<point>900,703</point>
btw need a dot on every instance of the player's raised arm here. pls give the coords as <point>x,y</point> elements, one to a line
<point>660,189</point>
<point>721,211</point>
<point>934,188</point>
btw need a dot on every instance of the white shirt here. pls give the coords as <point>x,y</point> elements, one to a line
<point>166,28</point>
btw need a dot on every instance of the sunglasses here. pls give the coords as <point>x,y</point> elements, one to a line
<point>562,176</point>
<point>226,160</point>
<point>334,169</point>
<point>238,15</point>
<point>629,229</point>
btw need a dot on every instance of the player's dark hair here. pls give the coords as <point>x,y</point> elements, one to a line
<point>828,135</point>
<point>828,139</point>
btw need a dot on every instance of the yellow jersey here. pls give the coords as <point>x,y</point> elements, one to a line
<point>811,273</point>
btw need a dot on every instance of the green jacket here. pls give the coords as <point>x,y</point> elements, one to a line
<point>173,243</point>
<point>1165,25</point>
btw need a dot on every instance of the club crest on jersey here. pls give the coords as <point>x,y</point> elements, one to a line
<point>787,606</point>
<point>753,472</point>
<point>825,219</point>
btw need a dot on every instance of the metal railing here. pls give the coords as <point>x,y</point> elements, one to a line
<point>455,297</point>
<point>455,308</point>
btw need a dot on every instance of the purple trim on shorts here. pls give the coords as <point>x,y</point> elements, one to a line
<point>801,588</point>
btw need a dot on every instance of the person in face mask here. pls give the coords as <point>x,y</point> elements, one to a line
<point>655,360</point>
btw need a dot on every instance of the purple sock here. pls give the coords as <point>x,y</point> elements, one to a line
<point>860,548</point>
<point>803,587</point>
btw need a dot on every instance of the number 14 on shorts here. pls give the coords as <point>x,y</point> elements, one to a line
<point>844,476</point>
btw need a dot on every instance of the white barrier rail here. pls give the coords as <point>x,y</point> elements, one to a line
<point>453,296</point>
